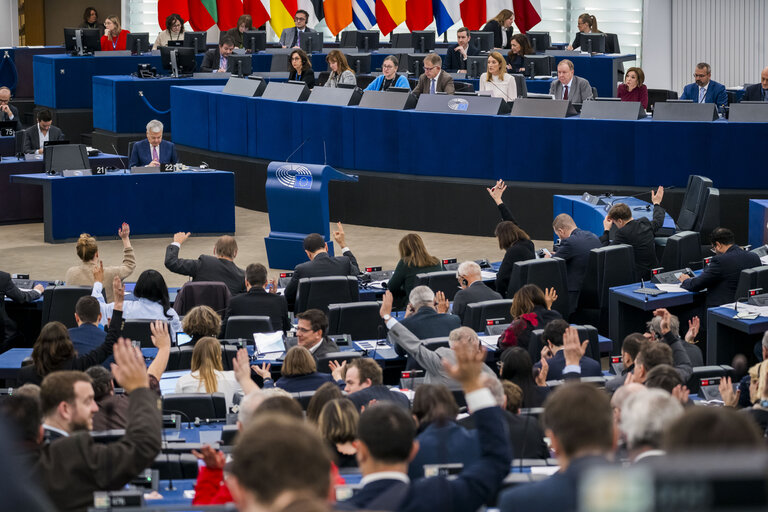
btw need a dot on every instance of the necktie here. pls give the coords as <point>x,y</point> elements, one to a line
<point>432,87</point>
<point>702,93</point>
<point>565,93</point>
<point>765,94</point>
<point>298,37</point>
<point>155,157</point>
<point>223,63</point>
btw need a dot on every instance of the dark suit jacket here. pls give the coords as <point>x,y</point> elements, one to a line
<point>639,233</point>
<point>525,435</point>
<point>453,59</point>
<point>32,138</point>
<point>326,347</point>
<point>308,77</point>
<point>404,280</point>
<point>495,27</point>
<point>260,302</point>
<point>575,251</point>
<point>288,36</point>
<point>444,84</point>
<point>141,154</point>
<point>589,367</point>
<point>211,61</point>
<point>8,289</point>
<point>426,323</point>
<point>721,276</point>
<point>295,384</point>
<point>753,93</point>
<point>444,444</point>
<point>715,94</point>
<point>476,292</point>
<point>322,265</point>
<point>15,112</point>
<point>87,337</point>
<point>206,268</point>
<point>380,393</point>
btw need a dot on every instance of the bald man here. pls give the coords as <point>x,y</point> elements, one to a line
<point>758,92</point>
<point>7,111</point>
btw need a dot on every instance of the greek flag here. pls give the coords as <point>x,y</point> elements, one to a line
<point>363,14</point>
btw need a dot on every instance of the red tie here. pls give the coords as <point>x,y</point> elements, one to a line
<point>565,94</point>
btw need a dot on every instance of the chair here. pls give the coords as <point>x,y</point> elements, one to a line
<point>319,292</point>
<point>586,332</point>
<point>130,148</point>
<point>176,466</point>
<point>243,326</point>
<point>594,92</point>
<point>612,265</point>
<point>360,320</point>
<point>751,278</point>
<point>364,81</point>
<point>440,281</point>
<point>185,357</point>
<point>476,314</point>
<point>228,434</point>
<point>322,363</point>
<point>522,87</point>
<point>138,329</point>
<point>435,343</point>
<point>682,250</point>
<point>59,304</point>
<point>693,202</point>
<point>303,397</point>
<point>709,216</point>
<point>202,293</point>
<point>322,77</point>
<point>228,352</point>
<point>545,273</point>
<point>703,372</point>
<point>659,95</point>
<point>196,405</point>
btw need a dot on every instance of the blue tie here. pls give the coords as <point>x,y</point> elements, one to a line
<point>432,86</point>
<point>702,94</point>
<point>765,94</point>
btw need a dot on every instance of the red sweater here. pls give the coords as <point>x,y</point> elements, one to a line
<point>637,94</point>
<point>107,46</point>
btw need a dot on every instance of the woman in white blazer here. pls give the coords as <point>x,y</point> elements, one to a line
<point>496,80</point>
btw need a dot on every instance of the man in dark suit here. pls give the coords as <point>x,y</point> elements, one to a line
<point>557,357</point>
<point>215,60</point>
<point>41,132</point>
<point>704,89</point>
<point>153,151</point>
<point>386,444</point>
<point>568,86</point>
<point>364,382</point>
<point>10,290</point>
<point>472,288</point>
<point>721,276</point>
<point>639,233</point>
<point>219,267</point>
<point>291,37</point>
<point>68,404</point>
<point>310,330</point>
<point>574,248</point>
<point>87,335</point>
<point>320,262</point>
<point>630,347</point>
<point>581,437</point>
<point>258,301</point>
<point>434,79</point>
<point>7,111</point>
<point>456,58</point>
<point>755,92</point>
<point>663,329</point>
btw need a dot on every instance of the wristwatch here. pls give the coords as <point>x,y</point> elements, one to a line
<point>387,317</point>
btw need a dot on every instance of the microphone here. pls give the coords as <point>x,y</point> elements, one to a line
<point>122,162</point>
<point>500,89</point>
<point>298,148</point>
<point>609,205</point>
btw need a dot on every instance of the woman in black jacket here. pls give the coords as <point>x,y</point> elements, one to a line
<point>301,68</point>
<point>501,26</point>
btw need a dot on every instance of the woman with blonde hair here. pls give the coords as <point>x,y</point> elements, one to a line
<point>414,259</point>
<point>587,24</point>
<point>114,37</point>
<point>208,375</point>
<point>299,372</point>
<point>496,81</point>
<point>501,26</point>
<point>338,426</point>
<point>88,252</point>
<point>341,73</point>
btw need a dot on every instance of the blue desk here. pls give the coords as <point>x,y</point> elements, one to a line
<point>758,222</point>
<point>728,336</point>
<point>154,204</point>
<point>7,146</point>
<point>600,70</point>
<point>20,59</point>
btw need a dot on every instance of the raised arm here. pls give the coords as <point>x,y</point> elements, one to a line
<point>180,265</point>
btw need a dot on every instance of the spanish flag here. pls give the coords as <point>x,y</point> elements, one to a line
<point>389,14</point>
<point>338,14</point>
<point>281,14</point>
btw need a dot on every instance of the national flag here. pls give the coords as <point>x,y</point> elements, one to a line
<point>228,11</point>
<point>338,14</point>
<point>315,10</point>
<point>494,7</point>
<point>389,14</point>
<point>364,14</point>
<point>473,14</point>
<point>527,14</point>
<point>447,13</point>
<point>202,14</point>
<point>282,13</point>
<point>167,7</point>
<point>418,14</point>
<point>258,9</point>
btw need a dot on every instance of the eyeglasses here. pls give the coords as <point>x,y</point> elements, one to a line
<point>429,69</point>
<point>696,75</point>
<point>387,66</point>
<point>302,329</point>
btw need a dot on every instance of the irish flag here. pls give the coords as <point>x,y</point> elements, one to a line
<point>527,14</point>
<point>389,14</point>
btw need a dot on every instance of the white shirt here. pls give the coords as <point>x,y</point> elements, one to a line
<point>137,309</point>
<point>227,384</point>
<point>57,430</point>
<point>505,89</point>
<point>42,138</point>
<point>503,36</point>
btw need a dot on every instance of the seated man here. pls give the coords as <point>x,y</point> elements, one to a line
<point>364,382</point>
<point>645,415</point>
<point>153,151</point>
<point>67,402</point>
<point>755,92</point>
<point>556,355</point>
<point>630,347</point>
<point>291,37</point>
<point>7,111</point>
<point>456,58</point>
<point>311,332</point>
<point>705,90</point>
<point>639,233</point>
<point>473,289</point>
<point>574,248</point>
<point>215,60</point>
<point>664,329</point>
<point>41,132</point>
<point>568,86</point>
<point>87,335</point>
<point>320,262</point>
<point>434,79</point>
<point>258,301</point>
<point>219,267</point>
<point>10,290</point>
<point>721,276</point>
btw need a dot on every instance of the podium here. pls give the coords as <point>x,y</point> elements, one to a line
<point>297,202</point>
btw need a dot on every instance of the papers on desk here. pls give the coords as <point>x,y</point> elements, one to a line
<point>487,274</point>
<point>545,470</point>
<point>746,311</point>
<point>670,288</point>
<point>764,259</point>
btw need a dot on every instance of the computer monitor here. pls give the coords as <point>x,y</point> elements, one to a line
<point>57,158</point>
<point>401,40</point>
<point>196,40</point>
<point>348,39</point>
<point>367,40</point>
<point>359,62</point>
<point>82,41</point>
<point>476,65</point>
<point>483,41</point>
<point>423,41</point>
<point>176,43</point>
<point>240,65</point>
<point>540,41</point>
<point>539,65</point>
<point>137,42</point>
<point>255,40</point>
<point>311,42</point>
<point>413,64</point>
<point>179,61</point>
<point>593,43</point>
<point>611,43</point>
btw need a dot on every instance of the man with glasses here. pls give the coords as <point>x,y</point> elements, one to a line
<point>705,90</point>
<point>7,111</point>
<point>291,37</point>
<point>456,59</point>
<point>756,92</point>
<point>433,80</point>
<point>310,333</point>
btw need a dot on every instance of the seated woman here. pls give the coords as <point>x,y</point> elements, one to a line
<point>208,375</point>
<point>201,322</point>
<point>531,309</point>
<point>88,252</point>
<point>299,373</point>
<point>517,368</point>
<point>414,259</point>
<point>301,68</point>
<point>114,37</point>
<point>152,302</point>
<point>174,31</point>
<point>633,88</point>
<point>340,70</point>
<point>244,23</point>
<point>324,394</point>
<point>388,77</point>
<point>338,426</point>
<point>496,81</point>
<point>519,47</point>
<point>501,26</point>
<point>91,19</point>
<point>587,24</point>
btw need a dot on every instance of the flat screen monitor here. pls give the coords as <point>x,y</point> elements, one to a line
<point>611,43</point>
<point>196,40</point>
<point>137,42</point>
<point>540,41</point>
<point>367,40</point>
<point>82,41</point>
<point>401,40</point>
<point>179,61</point>
<point>311,42</point>
<point>413,63</point>
<point>593,43</point>
<point>255,40</point>
<point>57,158</point>
<point>483,41</point>
<point>240,65</point>
<point>538,65</point>
<point>359,62</point>
<point>348,39</point>
<point>476,65</point>
<point>423,41</point>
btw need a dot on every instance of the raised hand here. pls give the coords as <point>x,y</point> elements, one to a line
<point>339,235</point>
<point>337,370</point>
<point>468,368</point>
<point>442,304</point>
<point>214,459</point>
<point>573,348</point>
<point>693,329</point>
<point>386,304</point>
<point>730,399</point>
<point>550,296</point>
<point>181,237</point>
<point>666,318</point>
<point>118,293</point>
<point>263,370</point>
<point>98,272</point>
<point>497,191</point>
<point>657,196</point>
<point>129,368</point>
<point>125,231</point>
<point>541,378</point>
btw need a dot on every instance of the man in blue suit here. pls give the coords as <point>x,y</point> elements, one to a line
<point>705,90</point>
<point>87,335</point>
<point>153,151</point>
<point>557,356</point>
<point>758,92</point>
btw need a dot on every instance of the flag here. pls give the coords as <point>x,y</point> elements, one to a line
<point>338,14</point>
<point>258,9</point>
<point>447,14</point>
<point>389,14</point>
<point>363,14</point>
<point>315,10</point>
<point>281,14</point>
<point>202,14</point>
<point>473,13</point>
<point>228,13</point>
<point>418,14</point>
<point>494,7</point>
<point>167,7</point>
<point>527,14</point>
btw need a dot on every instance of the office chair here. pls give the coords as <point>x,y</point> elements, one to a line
<point>440,281</point>
<point>243,326</point>
<point>138,329</point>
<point>522,87</point>
<point>476,314</point>
<point>682,250</point>
<point>322,363</point>
<point>545,273</point>
<point>176,466</point>
<point>320,292</point>
<point>659,95</point>
<point>202,293</point>
<point>59,304</point>
<point>303,397</point>
<point>196,405</point>
<point>360,320</point>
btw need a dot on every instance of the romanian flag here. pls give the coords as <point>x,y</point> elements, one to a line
<point>389,14</point>
<point>338,14</point>
<point>167,7</point>
<point>281,14</point>
<point>418,14</point>
<point>259,11</point>
<point>228,11</point>
<point>202,14</point>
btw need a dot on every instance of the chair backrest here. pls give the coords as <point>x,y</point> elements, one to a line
<point>440,281</point>
<point>138,329</point>
<point>709,216</point>
<point>522,87</point>
<point>185,357</point>
<point>360,320</point>
<point>243,326</point>
<point>59,304</point>
<point>319,292</point>
<point>612,265</point>
<point>280,63</point>
<point>693,201</point>
<point>303,397</point>
<point>750,278</point>
<point>202,293</point>
<point>130,148</point>
<point>683,250</point>
<point>661,95</point>
<point>322,363</point>
<point>478,312</point>
<point>176,466</point>
<point>196,405</point>
<point>545,273</point>
<point>364,81</point>
<point>594,92</point>
<point>435,343</point>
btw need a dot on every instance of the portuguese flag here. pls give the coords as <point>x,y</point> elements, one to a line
<point>202,14</point>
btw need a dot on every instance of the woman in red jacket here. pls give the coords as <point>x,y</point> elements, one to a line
<point>113,38</point>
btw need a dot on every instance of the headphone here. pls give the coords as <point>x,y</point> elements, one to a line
<point>462,280</point>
